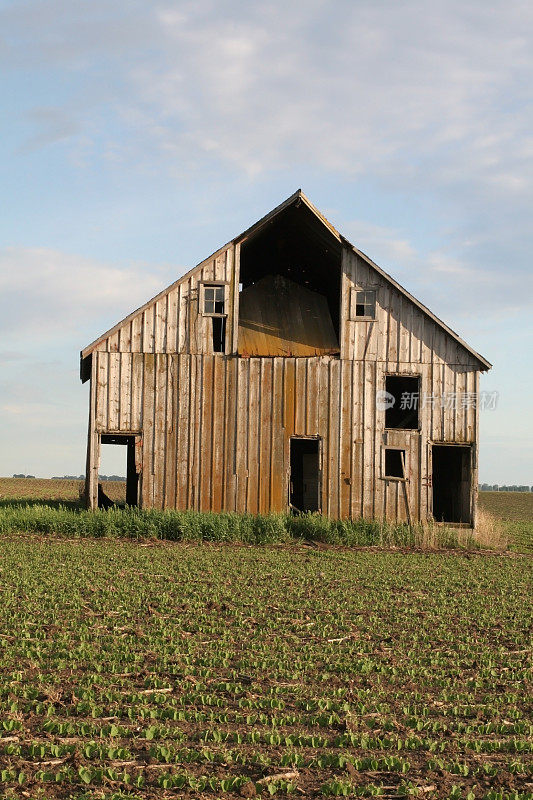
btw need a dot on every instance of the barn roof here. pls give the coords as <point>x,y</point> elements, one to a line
<point>295,199</point>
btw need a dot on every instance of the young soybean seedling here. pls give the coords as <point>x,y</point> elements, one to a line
<point>158,676</point>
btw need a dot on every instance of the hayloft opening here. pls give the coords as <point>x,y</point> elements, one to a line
<point>403,396</point>
<point>452,470</point>
<point>290,272</point>
<point>127,444</point>
<point>304,488</point>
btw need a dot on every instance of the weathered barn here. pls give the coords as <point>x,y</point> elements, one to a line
<point>288,370</point>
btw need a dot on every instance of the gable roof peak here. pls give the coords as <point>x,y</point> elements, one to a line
<point>297,197</point>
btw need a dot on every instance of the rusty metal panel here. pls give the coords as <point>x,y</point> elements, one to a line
<point>278,317</point>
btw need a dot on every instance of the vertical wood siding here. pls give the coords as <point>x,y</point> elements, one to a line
<point>172,323</point>
<point>216,428</point>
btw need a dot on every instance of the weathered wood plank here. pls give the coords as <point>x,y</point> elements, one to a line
<point>369,454</point>
<point>300,396</point>
<point>197,401</point>
<point>184,432</point>
<point>172,322</point>
<point>278,468</point>
<point>242,432</point>
<point>93,454</point>
<point>323,429</point>
<point>289,396</point>
<point>218,431</point>
<point>170,433</point>
<point>206,435</point>
<point>125,392</point>
<point>233,322</point>
<point>334,430</point>
<point>101,371</point>
<point>265,445</point>
<point>113,399</point>
<point>137,384</point>
<point>148,410</point>
<point>311,378</point>
<point>345,438</point>
<point>254,436</point>
<point>160,427</point>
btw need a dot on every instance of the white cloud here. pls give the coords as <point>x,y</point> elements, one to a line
<point>53,125</point>
<point>54,295</point>
<point>361,88</point>
<point>377,238</point>
<point>437,94</point>
<point>445,282</point>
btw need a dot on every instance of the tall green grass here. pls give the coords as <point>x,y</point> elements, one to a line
<point>195,526</point>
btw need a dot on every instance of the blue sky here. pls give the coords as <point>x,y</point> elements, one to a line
<point>137,137</point>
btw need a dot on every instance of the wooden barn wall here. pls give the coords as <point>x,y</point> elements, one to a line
<point>401,333</point>
<point>172,324</point>
<point>216,429</point>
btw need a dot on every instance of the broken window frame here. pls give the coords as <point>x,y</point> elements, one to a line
<point>368,296</point>
<point>215,333</point>
<point>217,287</point>
<point>403,375</point>
<point>208,285</point>
<point>400,478</point>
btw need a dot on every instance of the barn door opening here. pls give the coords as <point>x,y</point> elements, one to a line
<point>452,481</point>
<point>304,480</point>
<point>130,470</point>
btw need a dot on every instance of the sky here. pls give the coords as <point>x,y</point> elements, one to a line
<point>138,137</point>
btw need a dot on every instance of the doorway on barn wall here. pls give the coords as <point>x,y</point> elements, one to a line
<point>304,478</point>
<point>119,460</point>
<point>452,483</point>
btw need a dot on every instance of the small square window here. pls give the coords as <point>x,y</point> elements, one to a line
<point>394,462</point>
<point>363,304</point>
<point>214,299</point>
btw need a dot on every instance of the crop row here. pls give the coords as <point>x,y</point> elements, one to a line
<point>185,669</point>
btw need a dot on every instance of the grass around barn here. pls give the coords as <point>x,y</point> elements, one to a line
<point>156,669</point>
<point>505,517</point>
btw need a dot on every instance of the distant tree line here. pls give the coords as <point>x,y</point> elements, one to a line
<point>483,487</point>
<point>76,477</point>
<point>100,478</point>
<point>489,487</point>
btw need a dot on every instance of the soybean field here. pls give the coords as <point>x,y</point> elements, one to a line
<point>170,669</point>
